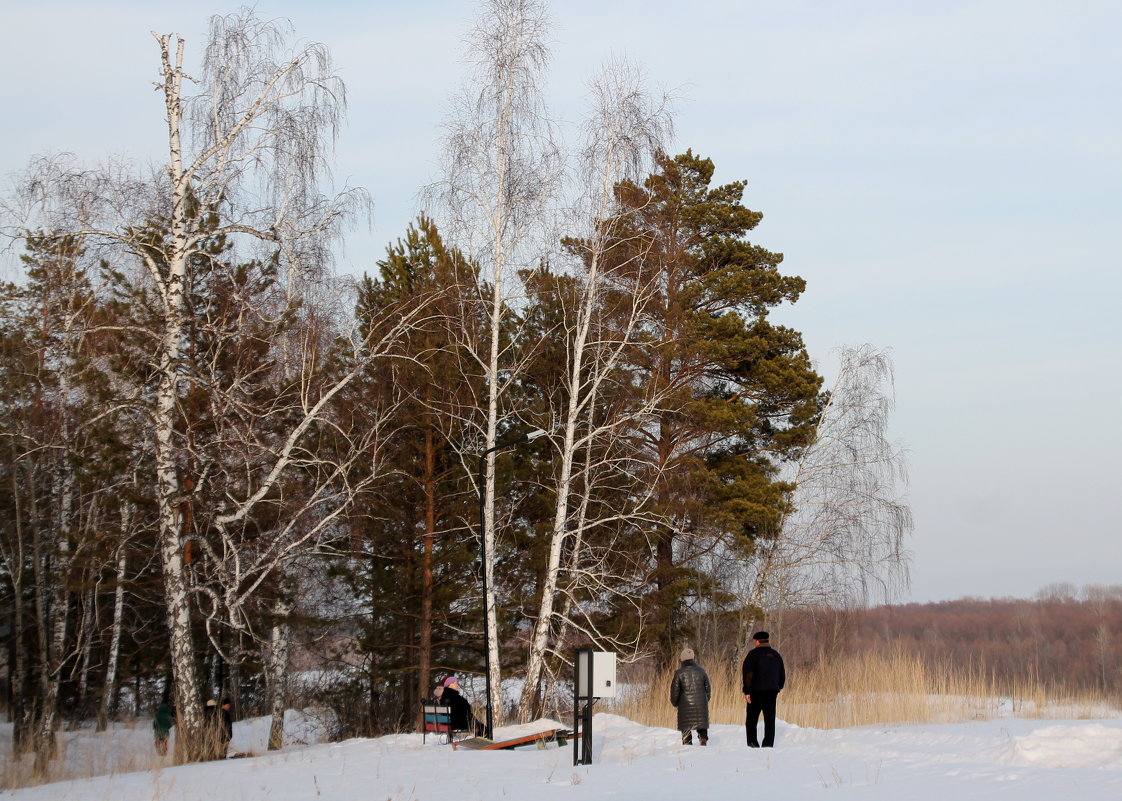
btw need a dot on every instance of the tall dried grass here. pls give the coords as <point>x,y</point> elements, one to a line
<point>81,756</point>
<point>868,688</point>
<point>861,689</point>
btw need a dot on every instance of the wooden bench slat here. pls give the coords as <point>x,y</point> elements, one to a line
<point>483,744</point>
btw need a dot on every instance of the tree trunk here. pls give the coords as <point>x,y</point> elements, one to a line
<point>279,639</point>
<point>544,624</point>
<point>21,709</point>
<point>190,735</point>
<point>53,599</point>
<point>501,165</point>
<point>424,655</point>
<point>231,686</point>
<point>109,690</point>
<point>490,616</point>
<point>50,670</point>
<point>86,635</point>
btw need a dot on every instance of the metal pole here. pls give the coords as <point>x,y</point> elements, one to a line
<point>582,718</point>
<point>586,729</point>
<point>576,709</point>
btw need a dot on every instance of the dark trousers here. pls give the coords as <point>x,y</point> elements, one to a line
<point>761,702</point>
<point>687,736</point>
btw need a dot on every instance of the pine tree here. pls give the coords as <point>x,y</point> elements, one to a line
<point>739,394</point>
<point>416,572</point>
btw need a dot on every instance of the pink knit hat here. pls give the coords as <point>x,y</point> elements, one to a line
<point>448,682</point>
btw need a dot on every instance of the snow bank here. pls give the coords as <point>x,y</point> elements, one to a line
<point>1071,746</point>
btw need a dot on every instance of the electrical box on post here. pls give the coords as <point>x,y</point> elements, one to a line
<point>594,677</point>
<point>596,674</point>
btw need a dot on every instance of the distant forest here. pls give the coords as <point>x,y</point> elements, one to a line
<point>1065,639</point>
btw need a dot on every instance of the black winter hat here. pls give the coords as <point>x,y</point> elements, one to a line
<point>761,636</point>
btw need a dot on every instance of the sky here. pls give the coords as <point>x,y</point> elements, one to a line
<point>947,177</point>
<point>1003,759</point>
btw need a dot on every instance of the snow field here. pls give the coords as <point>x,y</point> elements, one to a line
<point>1011,758</point>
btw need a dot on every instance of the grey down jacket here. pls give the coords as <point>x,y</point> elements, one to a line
<point>690,693</point>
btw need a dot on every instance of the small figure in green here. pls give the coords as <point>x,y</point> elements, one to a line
<point>161,728</point>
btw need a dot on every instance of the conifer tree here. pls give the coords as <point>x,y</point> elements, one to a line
<point>413,564</point>
<point>739,394</point>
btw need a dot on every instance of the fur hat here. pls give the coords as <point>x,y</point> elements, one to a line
<point>448,682</point>
<point>211,702</point>
<point>687,653</point>
<point>761,636</point>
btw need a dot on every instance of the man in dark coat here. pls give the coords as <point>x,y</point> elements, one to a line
<point>690,693</point>
<point>764,677</point>
<point>463,719</point>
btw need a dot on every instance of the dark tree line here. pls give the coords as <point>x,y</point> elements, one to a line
<point>1064,640</point>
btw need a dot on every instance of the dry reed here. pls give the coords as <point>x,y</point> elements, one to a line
<point>862,689</point>
<point>80,756</point>
<point>869,688</point>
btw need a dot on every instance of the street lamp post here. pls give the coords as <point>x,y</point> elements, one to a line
<point>509,443</point>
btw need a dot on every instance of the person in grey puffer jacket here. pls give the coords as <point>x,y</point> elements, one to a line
<point>690,693</point>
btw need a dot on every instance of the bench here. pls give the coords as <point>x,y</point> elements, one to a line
<point>437,719</point>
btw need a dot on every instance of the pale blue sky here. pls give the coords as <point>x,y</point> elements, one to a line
<point>947,176</point>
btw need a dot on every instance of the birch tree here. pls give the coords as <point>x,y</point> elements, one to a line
<point>626,127</point>
<point>116,626</point>
<point>238,197</point>
<point>501,173</point>
<point>842,540</point>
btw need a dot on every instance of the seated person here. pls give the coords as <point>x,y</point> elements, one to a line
<point>462,717</point>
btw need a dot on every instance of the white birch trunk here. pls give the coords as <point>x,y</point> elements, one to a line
<point>279,639</point>
<point>86,636</point>
<point>110,688</point>
<point>54,619</point>
<point>65,490</point>
<point>501,163</point>
<point>540,637</point>
<point>18,674</point>
<point>489,541</point>
<point>190,734</point>
<point>624,130</point>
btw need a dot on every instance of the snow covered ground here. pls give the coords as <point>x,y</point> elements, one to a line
<point>1009,758</point>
